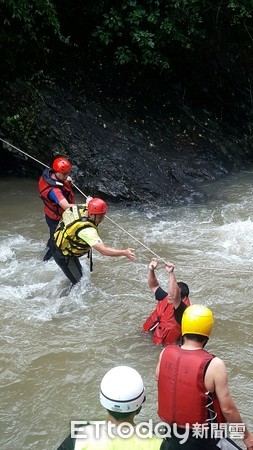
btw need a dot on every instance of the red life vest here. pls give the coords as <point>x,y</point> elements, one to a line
<point>186,401</point>
<point>46,183</point>
<point>166,329</point>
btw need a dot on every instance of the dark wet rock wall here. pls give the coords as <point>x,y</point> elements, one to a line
<point>138,143</point>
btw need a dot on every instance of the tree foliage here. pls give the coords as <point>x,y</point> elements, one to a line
<point>152,32</point>
<point>146,32</point>
<point>27,27</point>
<point>142,32</point>
<point>201,42</point>
<point>207,45</point>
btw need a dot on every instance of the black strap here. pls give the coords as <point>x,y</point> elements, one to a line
<point>227,444</point>
<point>89,255</point>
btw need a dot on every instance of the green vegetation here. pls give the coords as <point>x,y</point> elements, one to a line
<point>27,28</point>
<point>205,45</point>
<point>147,32</point>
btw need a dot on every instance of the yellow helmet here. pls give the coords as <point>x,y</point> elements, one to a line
<point>197,319</point>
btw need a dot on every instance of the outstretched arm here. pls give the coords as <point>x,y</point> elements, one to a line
<point>174,292</point>
<point>109,251</point>
<point>152,280</point>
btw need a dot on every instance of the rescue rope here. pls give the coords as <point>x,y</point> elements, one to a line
<point>24,153</point>
<point>81,192</point>
<point>121,228</point>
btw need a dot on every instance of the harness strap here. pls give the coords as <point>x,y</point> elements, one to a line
<point>89,255</point>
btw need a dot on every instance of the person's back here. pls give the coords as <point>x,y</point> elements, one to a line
<point>193,394</point>
<point>66,236</point>
<point>121,443</point>
<point>110,439</point>
<point>122,394</point>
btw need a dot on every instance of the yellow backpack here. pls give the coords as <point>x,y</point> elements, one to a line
<point>74,219</point>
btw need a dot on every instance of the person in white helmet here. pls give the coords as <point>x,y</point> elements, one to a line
<point>122,394</point>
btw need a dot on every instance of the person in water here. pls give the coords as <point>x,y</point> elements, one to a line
<point>165,320</point>
<point>77,233</point>
<point>193,388</point>
<point>122,394</point>
<point>57,195</point>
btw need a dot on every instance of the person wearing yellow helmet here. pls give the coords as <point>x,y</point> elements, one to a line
<point>193,388</point>
<point>197,321</point>
<point>122,394</point>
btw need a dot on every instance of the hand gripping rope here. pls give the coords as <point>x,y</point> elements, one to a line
<point>9,146</point>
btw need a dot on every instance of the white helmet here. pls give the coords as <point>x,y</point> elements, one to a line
<point>122,390</point>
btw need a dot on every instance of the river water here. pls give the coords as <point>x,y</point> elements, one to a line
<point>57,345</point>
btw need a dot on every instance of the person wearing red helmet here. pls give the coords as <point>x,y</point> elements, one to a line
<point>57,195</point>
<point>77,233</point>
<point>62,165</point>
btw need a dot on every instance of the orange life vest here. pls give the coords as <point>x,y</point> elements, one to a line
<point>162,320</point>
<point>186,401</point>
<point>46,183</point>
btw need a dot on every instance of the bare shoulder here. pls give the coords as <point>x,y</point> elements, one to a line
<point>216,362</point>
<point>216,374</point>
<point>157,371</point>
<point>216,368</point>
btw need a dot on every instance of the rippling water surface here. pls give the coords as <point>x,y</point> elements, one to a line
<point>57,345</point>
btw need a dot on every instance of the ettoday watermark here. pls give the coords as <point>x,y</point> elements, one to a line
<point>147,429</point>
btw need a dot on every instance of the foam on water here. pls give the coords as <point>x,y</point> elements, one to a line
<point>57,343</point>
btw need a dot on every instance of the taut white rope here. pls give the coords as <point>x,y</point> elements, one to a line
<point>122,229</point>
<point>217,269</point>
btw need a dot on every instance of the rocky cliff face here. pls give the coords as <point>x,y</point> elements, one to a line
<point>137,143</point>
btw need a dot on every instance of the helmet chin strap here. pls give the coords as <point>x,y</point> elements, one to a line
<point>93,220</point>
<point>58,180</point>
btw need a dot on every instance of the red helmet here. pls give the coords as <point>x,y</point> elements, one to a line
<point>97,206</point>
<point>62,165</point>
